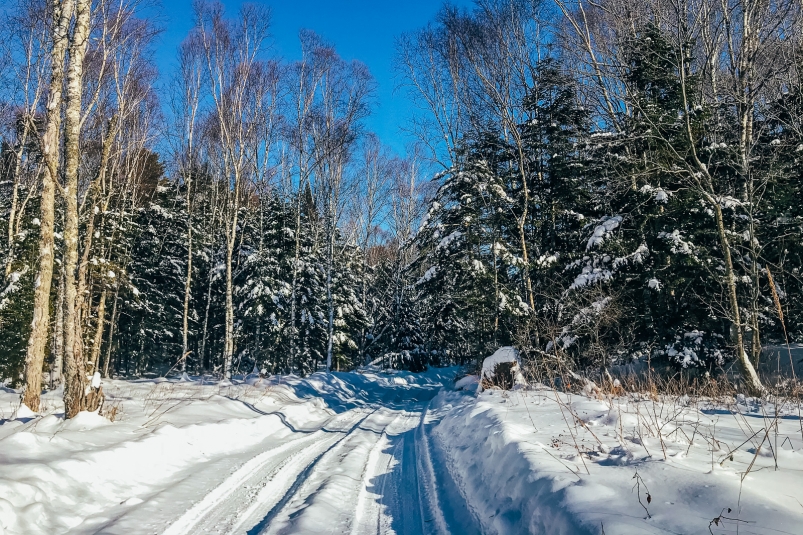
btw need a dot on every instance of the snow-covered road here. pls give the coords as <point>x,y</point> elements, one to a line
<point>367,470</point>
<point>283,455</point>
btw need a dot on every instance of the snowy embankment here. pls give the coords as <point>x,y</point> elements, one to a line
<point>396,453</point>
<point>538,461</point>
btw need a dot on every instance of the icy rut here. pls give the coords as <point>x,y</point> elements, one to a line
<point>366,471</point>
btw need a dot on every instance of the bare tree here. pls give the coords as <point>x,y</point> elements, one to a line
<point>343,102</point>
<point>186,103</point>
<point>76,397</point>
<point>307,75</point>
<point>26,53</point>
<point>62,14</point>
<point>232,52</point>
<point>370,202</point>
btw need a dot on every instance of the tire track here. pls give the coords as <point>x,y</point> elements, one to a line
<point>370,515</point>
<point>229,505</point>
<point>365,472</point>
<point>326,480</point>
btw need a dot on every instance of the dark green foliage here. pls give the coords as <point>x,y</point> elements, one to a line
<point>16,289</point>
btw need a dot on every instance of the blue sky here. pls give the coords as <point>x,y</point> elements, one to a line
<point>360,29</point>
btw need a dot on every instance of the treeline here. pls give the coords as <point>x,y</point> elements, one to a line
<point>623,180</point>
<point>618,181</point>
<point>240,217</point>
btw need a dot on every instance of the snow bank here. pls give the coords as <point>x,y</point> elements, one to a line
<point>536,461</point>
<point>469,383</point>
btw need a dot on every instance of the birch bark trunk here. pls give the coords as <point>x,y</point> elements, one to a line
<point>187,286</point>
<point>112,323</point>
<point>58,338</point>
<point>96,189</point>
<point>15,196</point>
<point>97,340</point>
<point>34,358</point>
<point>78,395</point>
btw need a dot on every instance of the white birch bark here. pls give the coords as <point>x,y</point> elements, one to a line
<point>34,359</point>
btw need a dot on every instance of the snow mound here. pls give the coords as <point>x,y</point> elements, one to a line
<point>23,412</point>
<point>503,355</point>
<point>470,383</point>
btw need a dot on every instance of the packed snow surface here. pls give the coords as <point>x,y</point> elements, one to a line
<point>373,452</point>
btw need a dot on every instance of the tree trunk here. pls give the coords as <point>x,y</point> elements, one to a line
<point>15,195</point>
<point>83,295</point>
<point>96,342</point>
<point>204,336</point>
<point>187,286</point>
<point>330,302</point>
<point>35,355</point>
<point>293,334</point>
<point>749,374</point>
<point>228,345</point>
<point>58,338</point>
<point>112,323</point>
<point>76,397</point>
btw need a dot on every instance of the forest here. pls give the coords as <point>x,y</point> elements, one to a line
<point>594,183</point>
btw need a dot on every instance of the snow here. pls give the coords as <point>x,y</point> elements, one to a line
<point>546,260</point>
<point>469,383</point>
<point>448,240</point>
<point>581,454</point>
<point>601,231</point>
<point>591,311</point>
<point>636,257</point>
<point>679,244</point>
<point>13,286</point>
<point>590,275</point>
<point>660,195</point>
<point>396,452</point>
<point>500,356</point>
<point>430,273</point>
<point>96,380</point>
<point>195,456</point>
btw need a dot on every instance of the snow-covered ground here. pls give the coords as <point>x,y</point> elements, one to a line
<point>538,461</point>
<point>395,453</point>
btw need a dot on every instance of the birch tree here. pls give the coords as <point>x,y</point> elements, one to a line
<point>186,103</point>
<point>77,396</point>
<point>60,39</point>
<point>343,102</point>
<point>232,51</point>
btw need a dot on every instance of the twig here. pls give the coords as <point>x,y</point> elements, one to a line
<point>721,517</point>
<point>730,453</point>
<point>637,487</point>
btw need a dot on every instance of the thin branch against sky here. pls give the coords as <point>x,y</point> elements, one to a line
<point>364,30</point>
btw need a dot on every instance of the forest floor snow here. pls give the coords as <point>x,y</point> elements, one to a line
<point>396,453</point>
